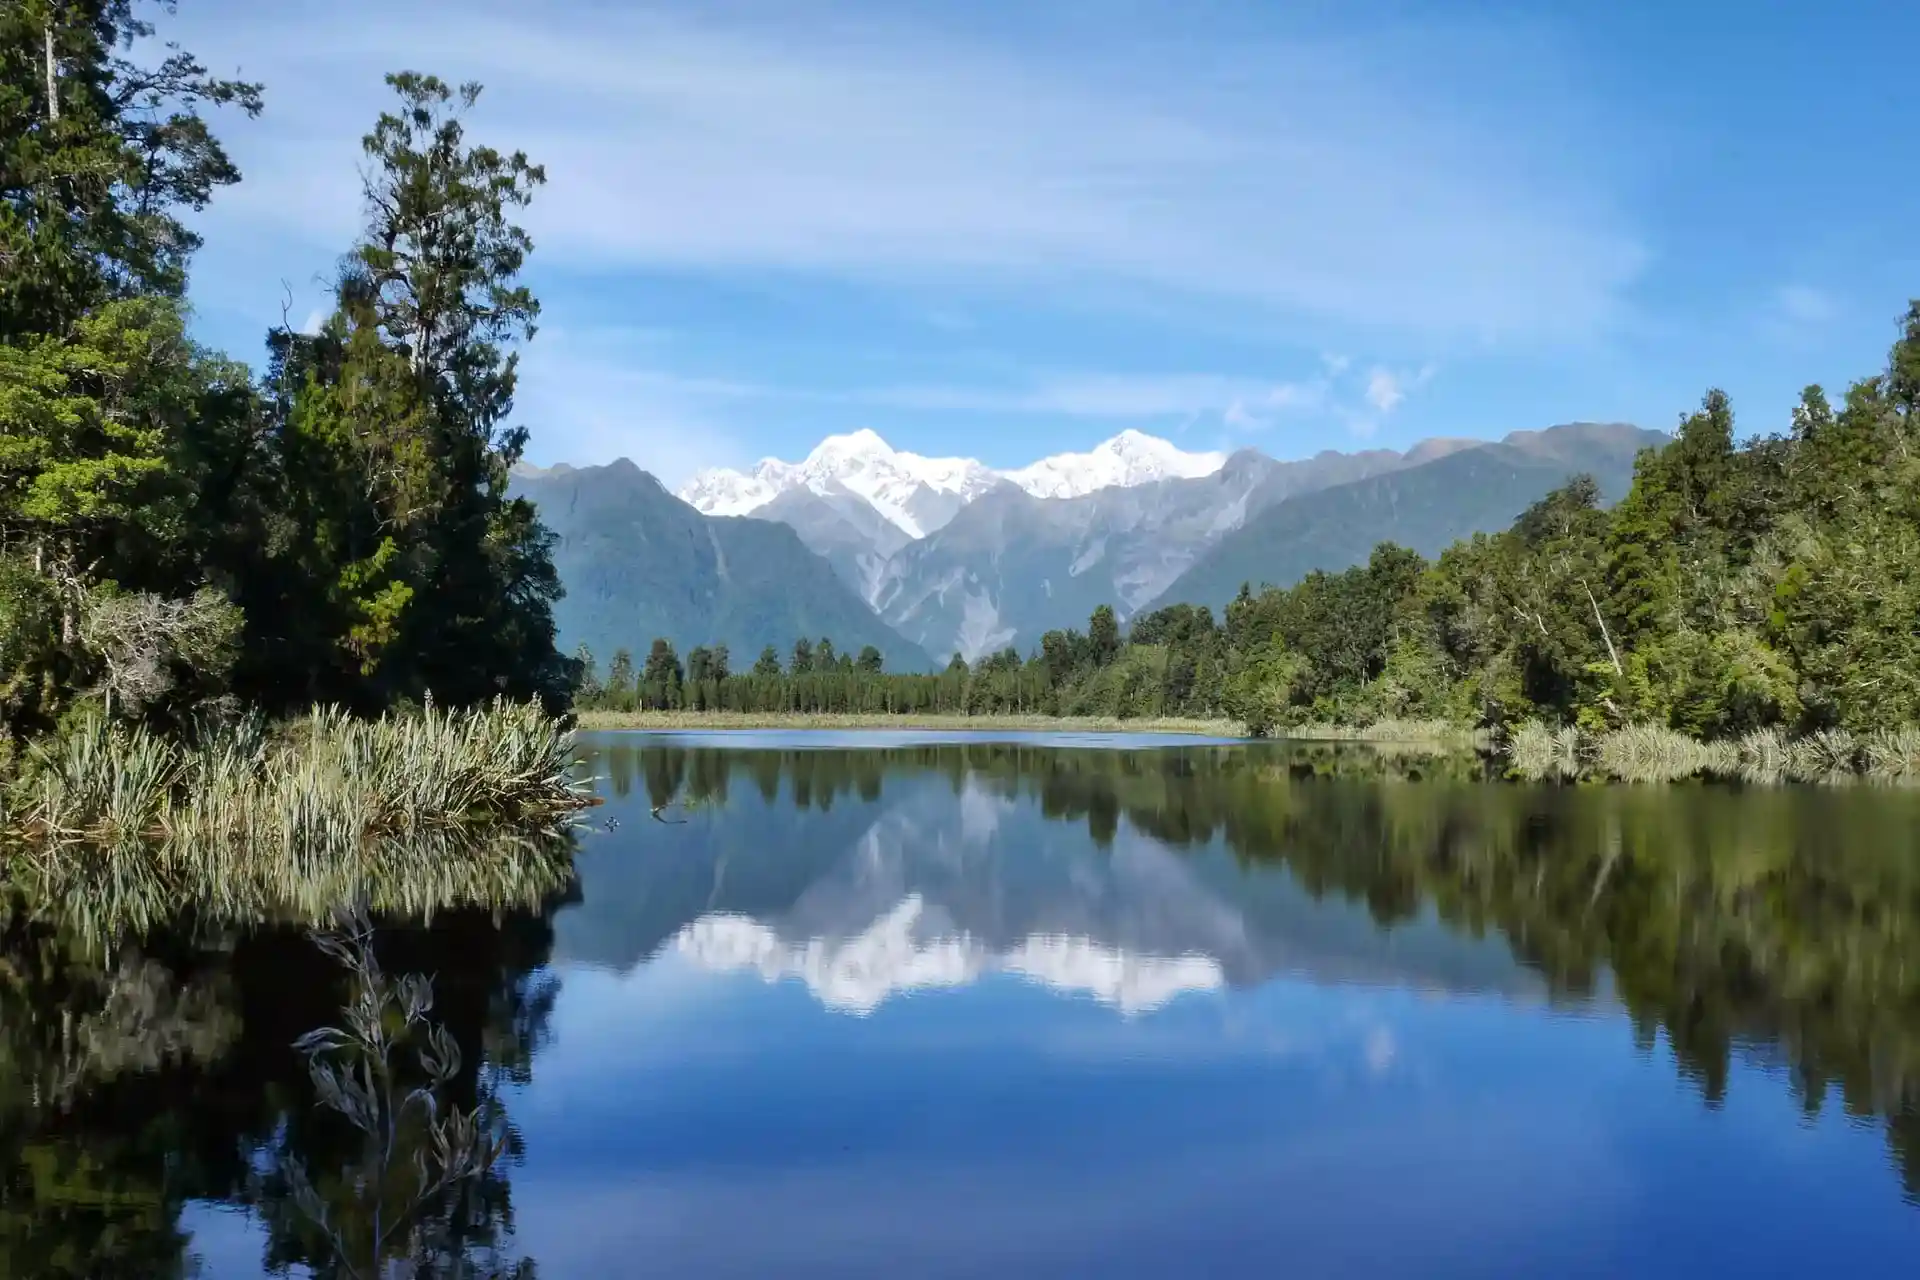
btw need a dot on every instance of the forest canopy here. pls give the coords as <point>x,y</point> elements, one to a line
<point>179,535</point>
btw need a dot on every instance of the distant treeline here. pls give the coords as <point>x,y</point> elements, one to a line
<point>1740,586</point>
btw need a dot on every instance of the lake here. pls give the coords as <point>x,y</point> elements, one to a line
<point>941,1005</point>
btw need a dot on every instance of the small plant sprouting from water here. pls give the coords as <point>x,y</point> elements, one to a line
<point>387,1070</point>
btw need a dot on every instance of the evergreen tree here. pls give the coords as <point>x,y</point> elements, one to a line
<point>663,664</point>
<point>1103,634</point>
<point>100,156</point>
<point>699,664</point>
<point>619,687</point>
<point>431,576</point>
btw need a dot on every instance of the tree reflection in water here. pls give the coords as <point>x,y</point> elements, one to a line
<point>141,1070</point>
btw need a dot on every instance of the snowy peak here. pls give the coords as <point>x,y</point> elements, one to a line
<point>916,494</point>
<point>1130,458</point>
<point>919,495</point>
<point>720,491</point>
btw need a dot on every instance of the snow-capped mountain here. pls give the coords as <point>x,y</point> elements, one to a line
<point>919,495</point>
<point>916,494</point>
<point>1130,458</point>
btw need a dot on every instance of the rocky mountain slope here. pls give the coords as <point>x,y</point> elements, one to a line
<point>638,563</point>
<point>1425,507</point>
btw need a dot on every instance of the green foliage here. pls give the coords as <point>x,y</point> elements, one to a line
<point>95,176</point>
<point>173,534</point>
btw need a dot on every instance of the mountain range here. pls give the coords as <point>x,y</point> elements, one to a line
<point>924,557</point>
<point>638,563</point>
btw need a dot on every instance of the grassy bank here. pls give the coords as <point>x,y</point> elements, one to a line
<point>786,720</point>
<point>403,810</point>
<point>1642,753</point>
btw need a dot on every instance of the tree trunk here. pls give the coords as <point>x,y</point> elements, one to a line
<point>53,79</point>
<point>1604,634</point>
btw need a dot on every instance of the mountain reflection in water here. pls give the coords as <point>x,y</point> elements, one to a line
<point>1321,975</point>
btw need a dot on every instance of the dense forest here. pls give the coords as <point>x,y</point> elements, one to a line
<point>1741,585</point>
<point>179,536</point>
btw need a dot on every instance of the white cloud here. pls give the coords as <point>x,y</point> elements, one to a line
<point>1383,390</point>
<point>1275,174</point>
<point>1387,390</point>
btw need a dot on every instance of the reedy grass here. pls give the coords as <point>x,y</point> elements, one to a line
<point>1893,753</point>
<point>404,812</point>
<point>1652,753</point>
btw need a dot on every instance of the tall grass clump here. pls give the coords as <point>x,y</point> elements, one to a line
<point>1766,755</point>
<point>1827,754</point>
<point>1893,753</point>
<point>322,809</point>
<point>1654,753</point>
<point>1539,751</point>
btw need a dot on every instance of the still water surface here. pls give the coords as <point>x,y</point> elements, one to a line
<point>939,1008</point>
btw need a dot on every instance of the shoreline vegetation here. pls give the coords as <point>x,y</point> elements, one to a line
<point>1540,752</point>
<point>276,640</point>
<point>1533,752</point>
<point>409,810</point>
<point>1423,732</point>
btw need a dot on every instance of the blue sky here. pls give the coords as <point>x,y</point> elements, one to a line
<point>1007,230</point>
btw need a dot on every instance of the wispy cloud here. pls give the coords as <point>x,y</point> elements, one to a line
<point>1383,390</point>
<point>1387,389</point>
<point>1280,174</point>
<point>587,405</point>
